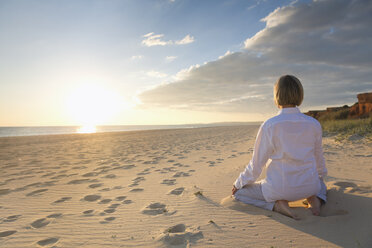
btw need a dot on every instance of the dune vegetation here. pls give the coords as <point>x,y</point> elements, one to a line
<point>337,123</point>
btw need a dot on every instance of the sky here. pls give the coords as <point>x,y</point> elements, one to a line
<point>138,62</point>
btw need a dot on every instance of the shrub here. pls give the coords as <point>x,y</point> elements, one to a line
<point>341,114</point>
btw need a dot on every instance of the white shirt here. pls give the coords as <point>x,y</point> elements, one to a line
<point>290,144</point>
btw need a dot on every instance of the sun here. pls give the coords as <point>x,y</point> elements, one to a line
<point>92,104</point>
<point>87,129</point>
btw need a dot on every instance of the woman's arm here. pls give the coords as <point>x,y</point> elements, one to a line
<point>320,162</point>
<point>262,151</point>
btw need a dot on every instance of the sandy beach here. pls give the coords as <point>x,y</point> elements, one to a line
<point>168,188</point>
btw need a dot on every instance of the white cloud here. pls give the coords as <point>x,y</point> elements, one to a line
<point>152,39</point>
<point>227,53</point>
<point>148,34</point>
<point>184,73</point>
<point>186,40</point>
<point>134,57</point>
<point>156,74</point>
<point>325,43</point>
<point>170,58</point>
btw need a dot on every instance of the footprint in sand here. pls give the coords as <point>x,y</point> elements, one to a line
<point>48,183</point>
<point>104,201</point>
<point>128,166</point>
<point>181,174</point>
<point>115,205</point>
<point>109,210</point>
<point>136,190</point>
<point>155,209</point>
<point>349,187</point>
<point>95,185</point>
<point>47,241</point>
<point>7,233</point>
<point>211,163</point>
<point>56,215</point>
<point>40,223</point>
<point>36,192</point>
<point>133,185</point>
<point>169,181</point>
<point>120,198</point>
<point>63,199</point>
<point>169,169</point>
<point>5,191</point>
<point>104,189</point>
<point>144,172</point>
<point>107,220</point>
<point>177,228</point>
<point>110,218</point>
<point>90,174</point>
<point>127,201</point>
<point>179,235</point>
<point>178,164</point>
<point>110,176</point>
<point>59,176</point>
<point>91,198</point>
<point>138,179</point>
<point>79,181</point>
<point>90,211</point>
<point>12,218</point>
<point>177,191</point>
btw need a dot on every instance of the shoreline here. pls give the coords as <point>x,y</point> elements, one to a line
<point>114,128</point>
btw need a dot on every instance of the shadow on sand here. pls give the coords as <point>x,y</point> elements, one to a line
<point>346,219</point>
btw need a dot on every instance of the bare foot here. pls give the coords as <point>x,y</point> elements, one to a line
<point>314,204</point>
<point>282,207</point>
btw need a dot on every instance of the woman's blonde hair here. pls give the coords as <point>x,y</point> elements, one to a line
<point>288,90</point>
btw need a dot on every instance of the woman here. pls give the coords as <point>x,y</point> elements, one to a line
<point>290,145</point>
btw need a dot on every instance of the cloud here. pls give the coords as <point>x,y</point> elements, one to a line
<point>227,53</point>
<point>329,32</point>
<point>156,74</point>
<point>255,5</point>
<point>186,40</point>
<point>170,58</point>
<point>325,43</point>
<point>134,57</point>
<point>152,39</point>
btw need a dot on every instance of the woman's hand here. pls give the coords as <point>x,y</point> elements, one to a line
<point>234,189</point>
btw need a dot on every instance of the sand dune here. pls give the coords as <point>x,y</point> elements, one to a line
<point>167,188</point>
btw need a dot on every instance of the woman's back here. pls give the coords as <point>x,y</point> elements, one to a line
<point>292,172</point>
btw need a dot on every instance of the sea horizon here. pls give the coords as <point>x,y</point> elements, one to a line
<point>16,131</point>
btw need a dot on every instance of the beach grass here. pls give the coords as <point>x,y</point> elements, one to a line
<point>344,128</point>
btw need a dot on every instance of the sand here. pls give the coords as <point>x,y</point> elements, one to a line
<point>168,188</point>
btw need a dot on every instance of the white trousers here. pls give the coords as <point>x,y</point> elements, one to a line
<point>252,194</point>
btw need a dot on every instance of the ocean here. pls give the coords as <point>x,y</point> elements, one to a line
<point>52,130</point>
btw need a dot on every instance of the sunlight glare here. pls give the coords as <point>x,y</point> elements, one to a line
<point>87,129</point>
<point>92,104</point>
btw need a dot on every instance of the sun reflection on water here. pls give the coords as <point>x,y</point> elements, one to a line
<point>87,129</point>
